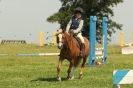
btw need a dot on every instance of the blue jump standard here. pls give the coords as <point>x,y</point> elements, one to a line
<point>92,36</point>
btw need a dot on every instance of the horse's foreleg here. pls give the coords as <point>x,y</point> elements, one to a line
<point>82,68</point>
<point>70,71</point>
<point>58,69</point>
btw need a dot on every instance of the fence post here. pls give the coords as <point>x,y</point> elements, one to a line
<point>41,39</point>
<point>92,37</point>
<point>122,39</point>
<point>104,29</point>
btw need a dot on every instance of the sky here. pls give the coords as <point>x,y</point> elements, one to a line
<point>123,15</point>
<point>24,19</point>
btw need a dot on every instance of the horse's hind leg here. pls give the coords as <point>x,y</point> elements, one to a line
<point>82,68</point>
<point>58,68</point>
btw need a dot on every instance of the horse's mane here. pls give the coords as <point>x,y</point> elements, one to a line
<point>70,42</point>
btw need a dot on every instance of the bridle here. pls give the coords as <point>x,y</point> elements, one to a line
<point>61,38</point>
<point>60,42</point>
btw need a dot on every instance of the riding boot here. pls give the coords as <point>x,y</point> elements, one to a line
<point>82,49</point>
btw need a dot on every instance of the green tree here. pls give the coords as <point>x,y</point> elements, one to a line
<point>98,8</point>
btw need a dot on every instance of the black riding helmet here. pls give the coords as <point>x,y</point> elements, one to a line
<point>78,10</point>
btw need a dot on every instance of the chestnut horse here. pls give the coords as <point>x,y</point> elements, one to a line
<point>70,50</point>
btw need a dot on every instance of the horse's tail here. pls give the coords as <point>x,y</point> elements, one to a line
<point>77,62</point>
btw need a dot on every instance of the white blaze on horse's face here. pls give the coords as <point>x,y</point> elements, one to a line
<point>60,44</point>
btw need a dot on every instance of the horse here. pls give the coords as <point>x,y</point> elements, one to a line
<point>70,49</point>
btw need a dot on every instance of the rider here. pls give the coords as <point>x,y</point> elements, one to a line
<point>75,26</point>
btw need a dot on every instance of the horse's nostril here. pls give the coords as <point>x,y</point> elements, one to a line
<point>61,47</point>
<point>58,47</point>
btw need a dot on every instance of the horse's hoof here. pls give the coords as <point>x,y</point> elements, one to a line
<point>59,78</point>
<point>80,76</point>
<point>70,78</point>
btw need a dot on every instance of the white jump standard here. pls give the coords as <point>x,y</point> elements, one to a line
<point>39,54</point>
<point>3,54</point>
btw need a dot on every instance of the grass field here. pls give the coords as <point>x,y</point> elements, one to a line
<point>40,71</point>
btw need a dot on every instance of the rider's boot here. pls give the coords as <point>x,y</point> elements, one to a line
<point>82,49</point>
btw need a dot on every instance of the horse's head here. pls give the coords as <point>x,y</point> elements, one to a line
<point>62,37</point>
<point>59,38</point>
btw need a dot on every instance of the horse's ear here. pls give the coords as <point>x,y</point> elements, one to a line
<point>59,31</point>
<point>63,31</point>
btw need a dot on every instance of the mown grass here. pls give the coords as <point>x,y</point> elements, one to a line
<point>40,71</point>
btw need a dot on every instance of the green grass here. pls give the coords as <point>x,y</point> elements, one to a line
<point>40,71</point>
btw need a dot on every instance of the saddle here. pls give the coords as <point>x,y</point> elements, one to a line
<point>78,43</point>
